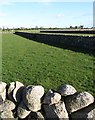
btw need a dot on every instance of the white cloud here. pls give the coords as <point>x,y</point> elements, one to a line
<point>59,15</point>
<point>2,14</point>
<point>6,2</point>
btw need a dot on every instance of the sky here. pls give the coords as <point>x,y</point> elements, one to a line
<point>47,13</point>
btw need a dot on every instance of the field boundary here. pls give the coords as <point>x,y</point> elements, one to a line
<point>83,44</point>
<point>82,31</point>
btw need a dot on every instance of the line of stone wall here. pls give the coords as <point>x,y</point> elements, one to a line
<point>85,43</point>
<point>70,31</point>
<point>32,103</point>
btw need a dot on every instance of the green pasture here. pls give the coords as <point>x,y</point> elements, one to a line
<point>36,63</point>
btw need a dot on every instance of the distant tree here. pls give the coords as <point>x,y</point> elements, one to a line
<point>50,28</point>
<point>3,28</point>
<point>81,27</point>
<point>8,29</point>
<point>71,27</point>
<point>76,27</point>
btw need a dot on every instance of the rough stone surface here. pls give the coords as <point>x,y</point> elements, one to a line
<point>2,86</point>
<point>7,105</point>
<point>30,103</point>
<point>51,97</point>
<point>3,95</point>
<point>87,113</point>
<point>17,92</point>
<point>35,116</point>
<point>66,90</point>
<point>78,101</point>
<point>1,100</point>
<point>56,111</point>
<point>6,115</point>
<point>40,116</point>
<point>3,90</point>
<point>10,90</point>
<point>32,97</point>
<point>22,111</point>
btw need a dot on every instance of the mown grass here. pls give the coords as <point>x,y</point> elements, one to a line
<point>36,63</point>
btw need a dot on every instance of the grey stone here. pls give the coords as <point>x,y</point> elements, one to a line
<point>3,90</point>
<point>35,116</point>
<point>56,111</point>
<point>2,86</point>
<point>32,97</point>
<point>10,90</point>
<point>66,90</point>
<point>78,101</point>
<point>51,97</point>
<point>22,111</point>
<point>40,116</point>
<point>6,115</point>
<point>87,113</point>
<point>17,92</point>
<point>7,105</point>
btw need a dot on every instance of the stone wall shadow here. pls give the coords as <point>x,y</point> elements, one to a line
<point>75,43</point>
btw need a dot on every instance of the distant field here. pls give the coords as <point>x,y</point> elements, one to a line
<point>36,63</point>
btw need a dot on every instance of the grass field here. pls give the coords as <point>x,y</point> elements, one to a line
<point>36,63</point>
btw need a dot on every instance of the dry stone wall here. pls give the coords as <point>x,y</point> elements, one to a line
<point>82,31</point>
<point>31,102</point>
<point>83,43</point>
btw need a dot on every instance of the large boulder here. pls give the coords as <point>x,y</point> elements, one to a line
<point>6,115</point>
<point>32,97</point>
<point>2,86</point>
<point>78,101</point>
<point>7,105</point>
<point>17,92</point>
<point>87,113</point>
<point>56,111</point>
<point>65,90</point>
<point>51,97</point>
<point>3,90</point>
<point>22,111</point>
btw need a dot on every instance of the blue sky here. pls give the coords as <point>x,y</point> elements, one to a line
<point>46,14</point>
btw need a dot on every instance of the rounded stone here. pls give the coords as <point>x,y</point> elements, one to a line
<point>17,92</point>
<point>6,115</point>
<point>7,105</point>
<point>51,97</point>
<point>22,111</point>
<point>10,90</point>
<point>78,101</point>
<point>3,90</point>
<point>32,97</point>
<point>65,90</point>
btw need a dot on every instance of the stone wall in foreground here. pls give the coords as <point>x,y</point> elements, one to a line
<point>31,102</point>
<point>84,43</point>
